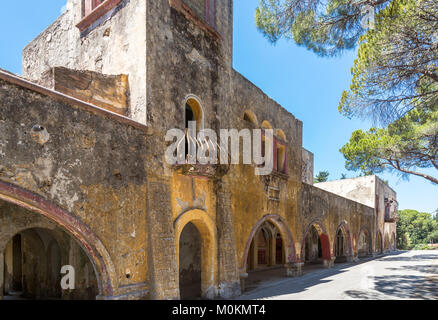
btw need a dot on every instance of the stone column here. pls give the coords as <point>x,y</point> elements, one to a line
<point>162,260</point>
<point>229,276</point>
<point>273,257</point>
<point>255,252</point>
<point>2,274</point>
<point>329,263</point>
<point>294,269</point>
<point>243,277</point>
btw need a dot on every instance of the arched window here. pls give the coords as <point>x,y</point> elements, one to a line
<point>280,134</point>
<point>250,117</point>
<point>280,147</point>
<point>266,125</point>
<point>192,113</point>
<point>281,158</point>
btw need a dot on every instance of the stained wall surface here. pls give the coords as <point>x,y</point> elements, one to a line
<point>104,178</point>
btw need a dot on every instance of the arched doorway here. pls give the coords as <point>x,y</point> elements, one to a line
<point>343,249</point>
<point>33,259</point>
<point>340,247</point>
<point>379,244</point>
<point>313,247</point>
<point>316,245</point>
<point>190,253</point>
<point>269,251</point>
<point>196,245</point>
<point>266,248</point>
<point>364,244</point>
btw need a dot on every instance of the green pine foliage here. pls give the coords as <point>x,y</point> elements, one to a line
<point>415,230</point>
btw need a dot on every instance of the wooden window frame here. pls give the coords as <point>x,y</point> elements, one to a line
<point>277,145</point>
<point>92,10</point>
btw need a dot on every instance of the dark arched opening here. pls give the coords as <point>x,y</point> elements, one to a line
<point>267,248</point>
<point>33,259</point>
<point>340,246</point>
<point>190,263</point>
<point>313,247</point>
<point>266,256</point>
<point>364,245</point>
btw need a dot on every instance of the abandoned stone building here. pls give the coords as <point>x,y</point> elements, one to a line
<point>83,180</point>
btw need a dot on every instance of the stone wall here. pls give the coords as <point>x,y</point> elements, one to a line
<point>109,172</point>
<point>198,6</point>
<point>370,191</point>
<point>114,44</point>
<point>331,211</point>
<point>90,164</point>
<point>387,229</point>
<point>308,167</point>
<point>361,189</point>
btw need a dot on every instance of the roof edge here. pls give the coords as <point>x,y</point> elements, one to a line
<point>21,82</point>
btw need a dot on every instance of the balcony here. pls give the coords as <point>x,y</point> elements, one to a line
<point>191,166</point>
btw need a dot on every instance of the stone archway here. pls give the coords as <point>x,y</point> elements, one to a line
<point>279,231</point>
<point>198,221</point>
<point>342,247</point>
<point>364,247</point>
<point>32,266</point>
<point>379,243</point>
<point>267,249</point>
<point>316,239</point>
<point>269,252</point>
<point>94,249</point>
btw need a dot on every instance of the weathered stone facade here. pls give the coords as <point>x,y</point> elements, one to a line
<point>102,179</point>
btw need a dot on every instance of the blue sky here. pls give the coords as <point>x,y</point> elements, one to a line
<point>307,86</point>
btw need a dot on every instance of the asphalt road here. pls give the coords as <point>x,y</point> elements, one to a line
<point>402,275</point>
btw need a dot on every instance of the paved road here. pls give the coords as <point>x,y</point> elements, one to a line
<point>402,275</point>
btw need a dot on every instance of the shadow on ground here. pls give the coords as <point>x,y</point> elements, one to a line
<point>402,287</point>
<point>397,286</point>
<point>418,257</point>
<point>313,275</point>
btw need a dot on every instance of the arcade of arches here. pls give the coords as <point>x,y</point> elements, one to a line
<point>32,253</point>
<point>266,252</point>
